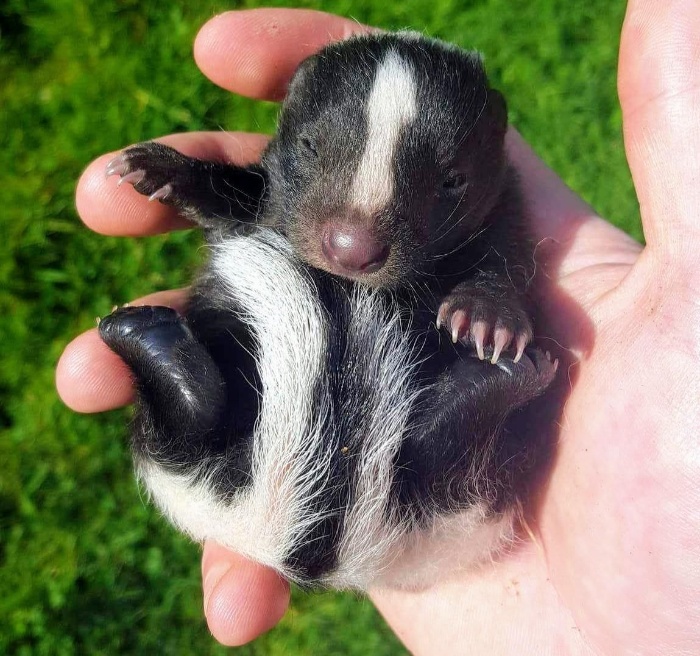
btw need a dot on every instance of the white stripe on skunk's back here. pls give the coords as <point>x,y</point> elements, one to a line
<point>266,519</point>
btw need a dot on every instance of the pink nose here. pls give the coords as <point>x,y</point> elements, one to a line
<point>353,248</point>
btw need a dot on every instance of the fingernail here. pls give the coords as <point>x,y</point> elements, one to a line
<point>212,578</point>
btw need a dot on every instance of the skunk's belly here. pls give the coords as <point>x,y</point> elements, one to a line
<point>290,417</point>
<point>334,371</point>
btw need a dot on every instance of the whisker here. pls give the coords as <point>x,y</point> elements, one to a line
<point>461,245</point>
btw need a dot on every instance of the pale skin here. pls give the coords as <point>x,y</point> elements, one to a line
<point>612,561</point>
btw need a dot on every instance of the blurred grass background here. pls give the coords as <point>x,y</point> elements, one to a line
<point>85,566</point>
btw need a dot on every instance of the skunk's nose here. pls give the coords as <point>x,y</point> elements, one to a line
<point>354,248</point>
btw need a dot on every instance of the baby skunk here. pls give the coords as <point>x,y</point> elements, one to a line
<point>338,401</point>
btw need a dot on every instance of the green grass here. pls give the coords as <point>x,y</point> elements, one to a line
<point>85,566</point>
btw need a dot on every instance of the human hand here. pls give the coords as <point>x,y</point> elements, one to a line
<point>614,563</point>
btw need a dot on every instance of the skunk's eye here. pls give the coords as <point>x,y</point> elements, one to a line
<point>308,146</point>
<point>454,181</point>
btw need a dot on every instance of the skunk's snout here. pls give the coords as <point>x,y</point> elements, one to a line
<point>353,249</point>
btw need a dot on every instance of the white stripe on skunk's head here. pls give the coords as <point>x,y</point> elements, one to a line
<point>391,109</point>
<point>388,156</point>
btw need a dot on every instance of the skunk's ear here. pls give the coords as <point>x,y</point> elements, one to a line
<point>301,75</point>
<point>497,109</point>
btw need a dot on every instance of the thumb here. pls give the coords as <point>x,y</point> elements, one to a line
<point>659,87</point>
<point>241,599</point>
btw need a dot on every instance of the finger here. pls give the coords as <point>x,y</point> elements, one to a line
<point>113,210</point>
<point>659,87</point>
<point>566,228</point>
<point>90,377</point>
<point>255,52</point>
<point>241,599</point>
<point>578,256</point>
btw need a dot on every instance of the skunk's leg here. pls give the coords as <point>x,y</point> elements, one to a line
<point>490,308</point>
<point>181,393</point>
<point>460,449</point>
<point>210,193</point>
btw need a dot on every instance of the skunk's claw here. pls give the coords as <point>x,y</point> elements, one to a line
<point>162,193</point>
<point>117,166</point>
<point>153,169</point>
<point>502,338</point>
<point>544,367</point>
<point>486,323</point>
<point>132,178</point>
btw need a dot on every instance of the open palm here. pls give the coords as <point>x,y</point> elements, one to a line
<point>613,561</point>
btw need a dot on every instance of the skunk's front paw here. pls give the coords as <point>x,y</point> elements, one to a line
<point>474,318</point>
<point>154,170</point>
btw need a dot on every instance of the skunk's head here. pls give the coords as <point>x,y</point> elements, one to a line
<point>388,156</point>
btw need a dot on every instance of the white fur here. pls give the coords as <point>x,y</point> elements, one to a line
<point>391,106</point>
<point>450,545</point>
<point>371,532</point>
<point>266,520</point>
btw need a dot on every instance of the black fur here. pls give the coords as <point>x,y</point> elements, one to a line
<point>458,238</point>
